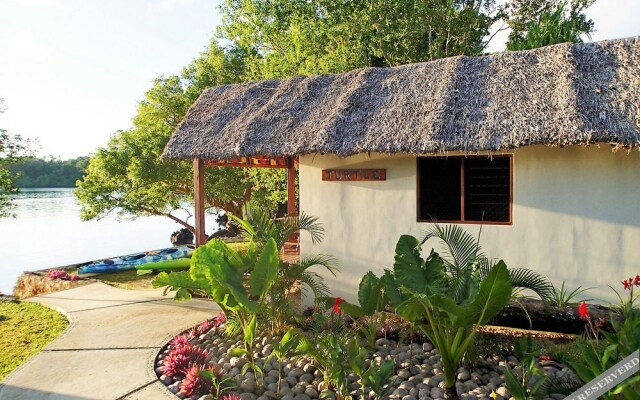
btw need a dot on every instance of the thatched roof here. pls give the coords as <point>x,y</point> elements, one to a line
<point>558,95</point>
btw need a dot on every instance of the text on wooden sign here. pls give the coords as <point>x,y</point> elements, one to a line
<point>354,174</point>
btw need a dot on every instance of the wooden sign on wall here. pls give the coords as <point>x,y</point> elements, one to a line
<point>354,174</point>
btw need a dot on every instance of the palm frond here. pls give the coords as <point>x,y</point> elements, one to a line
<point>528,279</point>
<point>459,249</point>
<point>233,326</point>
<point>310,224</point>
<point>259,219</point>
<point>246,230</point>
<point>522,278</point>
<point>330,263</point>
<point>315,283</point>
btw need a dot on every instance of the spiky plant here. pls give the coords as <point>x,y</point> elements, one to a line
<point>180,340</point>
<point>205,326</point>
<point>219,319</point>
<point>180,358</point>
<point>194,383</point>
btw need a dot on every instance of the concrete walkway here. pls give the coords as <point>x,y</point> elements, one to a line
<point>109,348</point>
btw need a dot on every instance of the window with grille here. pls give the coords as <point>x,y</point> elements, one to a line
<point>472,189</point>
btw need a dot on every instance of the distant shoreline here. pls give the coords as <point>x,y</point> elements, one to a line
<point>46,187</point>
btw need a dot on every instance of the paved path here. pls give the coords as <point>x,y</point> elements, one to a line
<point>108,350</point>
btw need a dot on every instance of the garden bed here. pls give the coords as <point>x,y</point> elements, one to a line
<point>377,348</point>
<point>417,369</point>
<point>533,314</point>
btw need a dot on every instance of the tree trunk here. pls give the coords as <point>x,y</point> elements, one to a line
<point>450,393</point>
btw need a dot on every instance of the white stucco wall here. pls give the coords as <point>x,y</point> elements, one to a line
<point>576,216</point>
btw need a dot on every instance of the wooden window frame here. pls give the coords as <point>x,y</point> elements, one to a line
<point>462,196</point>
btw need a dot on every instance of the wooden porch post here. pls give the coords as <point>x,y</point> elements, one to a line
<point>291,187</point>
<point>198,197</point>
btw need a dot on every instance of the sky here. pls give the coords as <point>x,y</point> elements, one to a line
<point>73,71</point>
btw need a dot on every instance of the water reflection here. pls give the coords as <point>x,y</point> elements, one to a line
<point>48,232</point>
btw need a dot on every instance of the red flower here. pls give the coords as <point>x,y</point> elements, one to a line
<point>637,280</point>
<point>583,310</point>
<point>546,358</point>
<point>336,305</point>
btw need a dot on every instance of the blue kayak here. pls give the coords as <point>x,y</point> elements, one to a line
<point>129,262</point>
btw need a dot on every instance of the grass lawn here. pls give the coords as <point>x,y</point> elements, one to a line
<point>127,280</point>
<point>132,281</point>
<point>25,328</point>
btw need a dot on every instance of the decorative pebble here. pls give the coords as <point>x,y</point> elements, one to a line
<point>298,389</point>
<point>273,373</point>
<point>437,393</point>
<point>306,378</point>
<point>464,375</point>
<point>310,368</point>
<point>237,362</point>
<point>406,385</point>
<point>400,392</point>
<point>311,392</point>
<point>470,386</point>
<point>296,373</point>
<point>248,385</point>
<point>502,391</point>
<point>173,388</point>
<point>404,374</point>
<point>418,374</point>
<point>269,394</point>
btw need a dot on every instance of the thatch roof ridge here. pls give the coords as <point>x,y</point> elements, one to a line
<point>559,95</point>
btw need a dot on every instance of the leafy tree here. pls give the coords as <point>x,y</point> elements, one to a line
<point>285,37</point>
<point>274,39</point>
<point>12,149</point>
<point>48,172</point>
<point>537,23</point>
<point>129,177</point>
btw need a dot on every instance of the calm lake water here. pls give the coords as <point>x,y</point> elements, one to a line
<point>48,232</point>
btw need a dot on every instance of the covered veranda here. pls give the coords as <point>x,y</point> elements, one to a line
<point>199,166</point>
